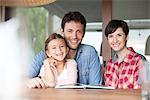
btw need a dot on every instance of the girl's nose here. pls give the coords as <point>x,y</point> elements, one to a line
<point>58,50</point>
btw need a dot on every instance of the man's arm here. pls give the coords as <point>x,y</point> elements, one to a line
<point>36,65</point>
<point>95,75</point>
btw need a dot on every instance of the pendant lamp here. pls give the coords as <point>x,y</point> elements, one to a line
<point>24,3</point>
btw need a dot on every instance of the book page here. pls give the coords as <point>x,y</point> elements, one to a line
<point>83,86</point>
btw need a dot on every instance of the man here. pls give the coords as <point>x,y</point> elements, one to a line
<point>89,69</point>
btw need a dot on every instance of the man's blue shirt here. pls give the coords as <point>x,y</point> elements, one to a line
<point>89,68</point>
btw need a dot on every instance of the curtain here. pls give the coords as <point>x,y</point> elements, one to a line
<point>2,13</point>
<point>147,47</point>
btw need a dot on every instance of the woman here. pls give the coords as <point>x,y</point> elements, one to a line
<point>122,71</point>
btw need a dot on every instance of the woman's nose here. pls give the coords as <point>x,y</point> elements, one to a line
<point>115,39</point>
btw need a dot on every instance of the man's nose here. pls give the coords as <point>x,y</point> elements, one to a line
<point>74,35</point>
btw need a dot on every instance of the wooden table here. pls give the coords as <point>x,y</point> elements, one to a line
<point>81,94</point>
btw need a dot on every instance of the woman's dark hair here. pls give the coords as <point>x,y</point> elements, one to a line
<point>73,16</point>
<point>114,24</point>
<point>51,37</point>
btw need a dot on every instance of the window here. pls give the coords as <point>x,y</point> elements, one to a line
<point>93,38</point>
<point>137,39</point>
<point>34,21</point>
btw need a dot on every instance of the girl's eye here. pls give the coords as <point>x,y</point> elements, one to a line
<point>62,46</point>
<point>110,36</point>
<point>53,47</point>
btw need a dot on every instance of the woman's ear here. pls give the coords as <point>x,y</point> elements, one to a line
<point>127,38</point>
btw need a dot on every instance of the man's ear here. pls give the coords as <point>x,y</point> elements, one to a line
<point>67,50</point>
<point>61,32</point>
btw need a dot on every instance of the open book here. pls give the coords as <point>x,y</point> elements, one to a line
<point>83,86</point>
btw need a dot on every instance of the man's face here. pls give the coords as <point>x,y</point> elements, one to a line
<point>73,34</point>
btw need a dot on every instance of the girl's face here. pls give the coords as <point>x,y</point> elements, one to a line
<point>117,40</point>
<point>57,49</point>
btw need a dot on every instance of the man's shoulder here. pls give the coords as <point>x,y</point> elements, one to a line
<point>86,47</point>
<point>41,55</point>
<point>41,52</point>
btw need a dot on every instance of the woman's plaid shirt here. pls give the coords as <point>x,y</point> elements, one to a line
<point>126,73</point>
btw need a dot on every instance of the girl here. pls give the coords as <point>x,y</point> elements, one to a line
<point>56,69</point>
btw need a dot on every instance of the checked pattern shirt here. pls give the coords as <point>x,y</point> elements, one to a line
<point>126,73</point>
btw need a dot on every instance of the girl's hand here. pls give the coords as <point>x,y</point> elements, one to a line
<point>50,61</point>
<point>36,82</point>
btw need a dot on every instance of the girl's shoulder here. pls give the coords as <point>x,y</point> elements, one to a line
<point>70,61</point>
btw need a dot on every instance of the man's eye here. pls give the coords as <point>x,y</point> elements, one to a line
<point>69,30</point>
<point>80,32</point>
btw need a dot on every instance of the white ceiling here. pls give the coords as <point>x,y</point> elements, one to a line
<point>92,9</point>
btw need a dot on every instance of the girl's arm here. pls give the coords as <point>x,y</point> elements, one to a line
<point>71,75</point>
<point>49,76</point>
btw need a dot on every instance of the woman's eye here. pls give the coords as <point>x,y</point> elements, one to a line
<point>119,35</point>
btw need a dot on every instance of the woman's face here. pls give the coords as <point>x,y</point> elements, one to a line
<point>117,40</point>
<point>57,49</point>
